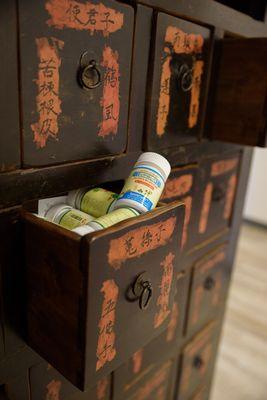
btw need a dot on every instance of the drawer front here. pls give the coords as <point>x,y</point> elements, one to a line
<point>16,388</point>
<point>179,80</point>
<point>75,77</point>
<point>197,361</point>
<point>218,194</point>
<point>183,185</point>
<point>84,287</point>
<point>46,383</point>
<point>127,377</point>
<point>158,384</point>
<point>239,105</point>
<point>207,288</point>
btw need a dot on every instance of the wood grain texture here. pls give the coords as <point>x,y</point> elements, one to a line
<point>241,367</point>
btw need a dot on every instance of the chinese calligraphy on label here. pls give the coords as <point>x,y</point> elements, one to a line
<point>179,42</point>
<point>110,101</point>
<point>106,340</point>
<point>165,290</point>
<point>47,101</point>
<point>139,241</point>
<point>83,16</point>
<point>53,389</point>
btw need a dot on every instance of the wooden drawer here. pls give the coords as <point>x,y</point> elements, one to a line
<point>179,82</point>
<point>46,383</point>
<point>16,388</point>
<point>218,194</point>
<point>158,384</point>
<point>75,79</point>
<point>208,286</point>
<point>128,376</point>
<point>239,113</point>
<point>183,184</point>
<point>197,361</point>
<point>82,286</point>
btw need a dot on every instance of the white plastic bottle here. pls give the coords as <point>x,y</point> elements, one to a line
<point>108,220</point>
<point>96,202</point>
<point>68,217</point>
<point>145,184</point>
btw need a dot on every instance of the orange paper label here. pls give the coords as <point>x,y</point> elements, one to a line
<point>106,340</point>
<point>188,209</point>
<point>204,216</point>
<point>47,101</point>
<point>165,290</point>
<point>101,388</point>
<point>140,241</point>
<point>110,101</point>
<point>85,16</point>
<point>221,167</point>
<point>230,195</point>
<point>164,98</point>
<point>177,187</point>
<point>181,43</point>
<point>198,69</point>
<point>137,359</point>
<point>173,323</point>
<point>53,390</point>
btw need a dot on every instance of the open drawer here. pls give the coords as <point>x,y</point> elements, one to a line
<point>82,317</point>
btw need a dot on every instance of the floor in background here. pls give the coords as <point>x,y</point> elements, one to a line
<point>241,371</point>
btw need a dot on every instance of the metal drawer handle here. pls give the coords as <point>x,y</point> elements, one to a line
<point>185,76</point>
<point>218,193</point>
<point>209,283</point>
<point>89,75</point>
<point>198,363</point>
<point>141,290</point>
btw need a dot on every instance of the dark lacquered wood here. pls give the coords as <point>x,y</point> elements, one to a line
<point>9,97</point>
<point>175,112</point>
<point>77,300</point>
<point>66,122</point>
<point>239,112</point>
<point>45,383</point>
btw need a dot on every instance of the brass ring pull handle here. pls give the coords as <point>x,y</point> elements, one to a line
<point>185,76</point>
<point>89,75</point>
<point>218,193</point>
<point>198,363</point>
<point>209,283</point>
<point>142,290</point>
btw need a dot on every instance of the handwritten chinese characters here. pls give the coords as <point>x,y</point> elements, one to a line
<point>106,340</point>
<point>83,16</point>
<point>140,241</point>
<point>165,289</point>
<point>47,100</point>
<point>179,42</point>
<point>110,101</point>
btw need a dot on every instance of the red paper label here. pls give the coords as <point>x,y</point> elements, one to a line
<point>47,101</point>
<point>165,290</point>
<point>110,101</point>
<point>106,340</point>
<point>53,390</point>
<point>85,16</point>
<point>140,241</point>
<point>221,167</point>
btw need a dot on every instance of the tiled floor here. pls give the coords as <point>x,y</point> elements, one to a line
<point>241,372</point>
